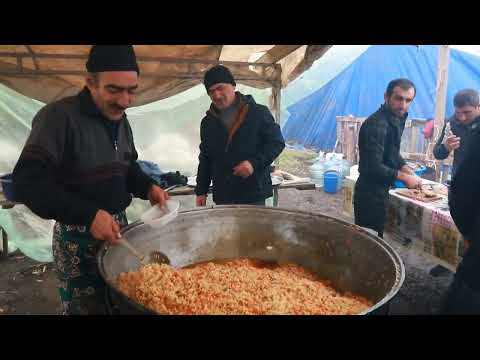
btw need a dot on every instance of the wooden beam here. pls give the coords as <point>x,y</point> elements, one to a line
<point>219,51</point>
<point>32,54</point>
<point>413,139</point>
<point>441,98</point>
<point>19,64</point>
<point>140,59</point>
<point>277,53</point>
<point>349,152</point>
<point>312,53</point>
<point>27,73</point>
<point>276,107</point>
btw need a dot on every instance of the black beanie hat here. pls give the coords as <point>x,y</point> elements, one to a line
<point>112,58</point>
<point>218,74</point>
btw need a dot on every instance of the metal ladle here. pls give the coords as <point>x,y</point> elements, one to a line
<point>156,257</point>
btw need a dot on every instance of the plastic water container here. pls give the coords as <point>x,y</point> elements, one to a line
<point>354,172</point>
<point>331,180</point>
<point>7,187</point>
<point>316,173</point>
<point>348,192</point>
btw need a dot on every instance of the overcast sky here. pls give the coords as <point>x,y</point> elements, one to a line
<point>474,49</point>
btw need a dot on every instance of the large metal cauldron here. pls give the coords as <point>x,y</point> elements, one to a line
<point>350,257</point>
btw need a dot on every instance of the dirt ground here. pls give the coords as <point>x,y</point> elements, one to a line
<point>28,287</point>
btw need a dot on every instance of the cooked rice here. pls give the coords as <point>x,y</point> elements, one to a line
<point>239,286</point>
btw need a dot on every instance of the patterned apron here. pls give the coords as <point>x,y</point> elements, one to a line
<point>82,290</point>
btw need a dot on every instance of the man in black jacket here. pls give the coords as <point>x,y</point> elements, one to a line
<point>79,167</point>
<point>239,141</point>
<point>465,120</point>
<point>463,296</point>
<point>380,161</point>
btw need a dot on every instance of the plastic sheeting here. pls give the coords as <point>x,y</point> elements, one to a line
<point>359,89</point>
<point>26,231</point>
<point>16,114</point>
<point>166,132</point>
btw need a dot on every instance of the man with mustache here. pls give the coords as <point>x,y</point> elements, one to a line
<point>79,167</point>
<point>239,141</point>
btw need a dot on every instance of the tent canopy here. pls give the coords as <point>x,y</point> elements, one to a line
<point>50,72</point>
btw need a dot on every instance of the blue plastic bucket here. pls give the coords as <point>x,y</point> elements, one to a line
<point>7,186</point>
<point>331,180</point>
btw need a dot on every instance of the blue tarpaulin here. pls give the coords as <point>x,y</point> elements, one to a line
<point>359,89</point>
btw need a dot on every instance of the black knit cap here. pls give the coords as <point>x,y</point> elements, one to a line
<point>112,58</point>
<point>216,75</point>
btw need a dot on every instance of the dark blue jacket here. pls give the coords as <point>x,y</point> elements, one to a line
<point>258,139</point>
<point>464,200</point>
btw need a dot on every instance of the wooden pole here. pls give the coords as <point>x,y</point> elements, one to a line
<point>277,94</point>
<point>276,108</point>
<point>441,98</point>
<point>275,100</point>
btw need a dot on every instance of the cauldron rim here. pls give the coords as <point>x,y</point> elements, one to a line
<point>396,259</point>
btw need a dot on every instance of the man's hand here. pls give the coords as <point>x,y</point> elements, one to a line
<point>105,228</point>
<point>412,181</point>
<point>452,143</point>
<point>201,200</point>
<point>244,169</point>
<point>157,196</point>
<point>407,170</point>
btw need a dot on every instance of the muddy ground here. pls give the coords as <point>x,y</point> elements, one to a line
<point>29,287</point>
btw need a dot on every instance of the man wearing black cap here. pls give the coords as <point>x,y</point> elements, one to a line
<point>239,141</point>
<point>79,167</point>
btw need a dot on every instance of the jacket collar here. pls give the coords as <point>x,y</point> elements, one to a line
<point>475,124</point>
<point>239,98</point>
<point>391,117</point>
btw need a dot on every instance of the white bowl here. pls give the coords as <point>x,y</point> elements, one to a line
<point>158,217</point>
<point>192,181</point>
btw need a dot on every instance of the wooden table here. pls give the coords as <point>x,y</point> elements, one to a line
<point>290,182</point>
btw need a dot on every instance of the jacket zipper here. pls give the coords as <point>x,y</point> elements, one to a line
<point>115,141</point>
